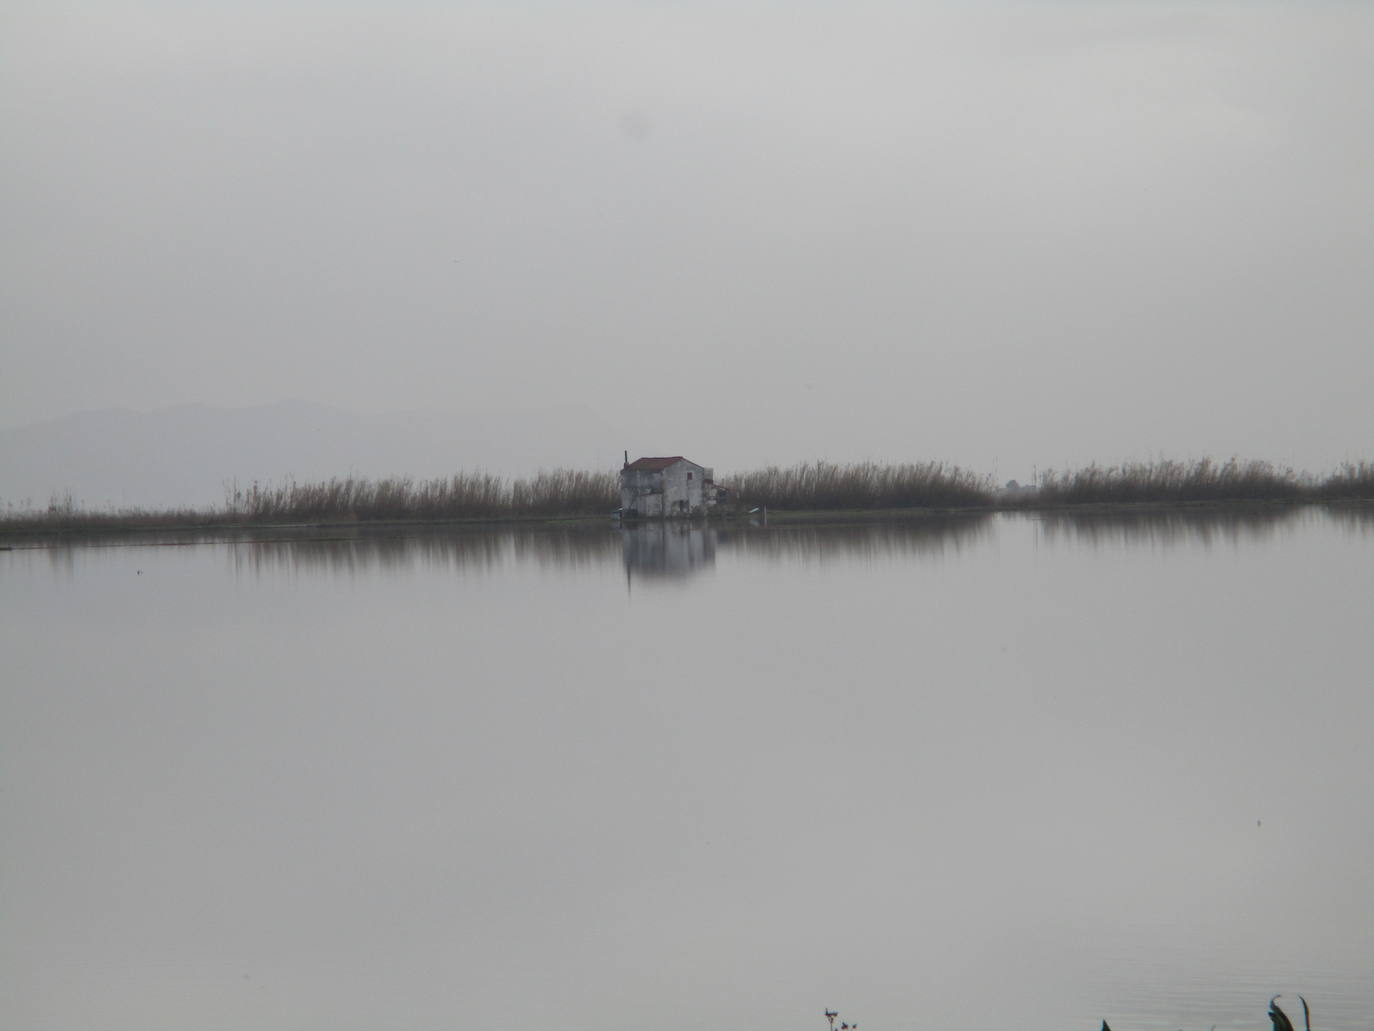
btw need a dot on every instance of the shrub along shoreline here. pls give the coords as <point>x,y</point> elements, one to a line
<point>808,487</point>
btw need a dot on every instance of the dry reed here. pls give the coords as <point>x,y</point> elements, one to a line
<point>809,486</point>
<point>863,485</point>
<point>1166,481</point>
<point>559,492</point>
<point>1352,480</point>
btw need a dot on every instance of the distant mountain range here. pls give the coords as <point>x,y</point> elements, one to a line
<point>191,455</point>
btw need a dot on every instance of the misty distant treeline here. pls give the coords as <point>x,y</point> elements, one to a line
<point>807,486</point>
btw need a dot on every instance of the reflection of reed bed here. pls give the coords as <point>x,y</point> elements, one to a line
<point>929,536</point>
<point>60,548</point>
<point>587,546</point>
<point>173,537</point>
<point>466,551</point>
<point>364,554</point>
<point>817,486</point>
<point>1357,517</point>
<point>163,538</point>
<point>1171,526</point>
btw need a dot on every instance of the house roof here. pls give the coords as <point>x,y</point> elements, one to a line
<point>653,465</point>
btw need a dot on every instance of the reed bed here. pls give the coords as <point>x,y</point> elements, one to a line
<point>1171,481</point>
<point>64,513</point>
<point>97,520</point>
<point>1170,525</point>
<point>864,485</point>
<point>560,492</point>
<point>1353,480</point>
<point>809,486</point>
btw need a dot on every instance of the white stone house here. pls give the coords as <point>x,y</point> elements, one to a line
<point>657,488</point>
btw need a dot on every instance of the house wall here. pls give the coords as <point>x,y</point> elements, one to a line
<point>675,491</point>
<point>642,491</point>
<point>682,482</point>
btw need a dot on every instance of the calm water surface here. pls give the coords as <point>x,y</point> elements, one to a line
<point>992,773</point>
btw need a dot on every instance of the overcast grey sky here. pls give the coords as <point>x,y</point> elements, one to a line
<point>993,233</point>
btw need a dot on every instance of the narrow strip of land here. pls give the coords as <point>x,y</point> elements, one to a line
<point>810,491</point>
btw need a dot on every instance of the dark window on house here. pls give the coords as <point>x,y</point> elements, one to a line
<point>689,476</point>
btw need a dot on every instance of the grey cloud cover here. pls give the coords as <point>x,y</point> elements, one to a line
<point>998,234</point>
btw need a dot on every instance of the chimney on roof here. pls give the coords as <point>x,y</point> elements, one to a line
<point>627,461</point>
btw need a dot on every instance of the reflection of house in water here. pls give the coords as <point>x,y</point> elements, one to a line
<point>668,549</point>
<point>654,488</point>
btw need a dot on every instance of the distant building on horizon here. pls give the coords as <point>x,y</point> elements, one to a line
<point>658,488</point>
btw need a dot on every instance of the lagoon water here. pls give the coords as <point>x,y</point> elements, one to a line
<point>987,773</point>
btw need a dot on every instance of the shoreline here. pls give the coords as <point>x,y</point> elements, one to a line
<point>36,530</point>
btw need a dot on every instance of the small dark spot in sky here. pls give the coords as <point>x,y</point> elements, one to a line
<point>636,126</point>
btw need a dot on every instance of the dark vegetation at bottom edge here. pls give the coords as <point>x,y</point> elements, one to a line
<point>1277,1017</point>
